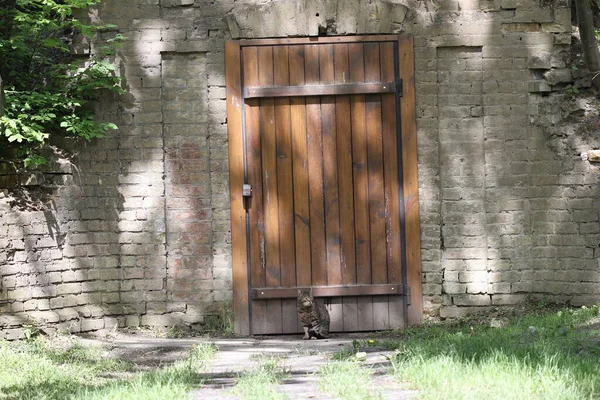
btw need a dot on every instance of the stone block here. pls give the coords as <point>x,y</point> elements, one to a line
<point>10,320</point>
<point>454,288</point>
<point>43,317</point>
<point>89,324</point>
<point>113,297</point>
<point>593,156</point>
<point>223,295</point>
<point>432,289</point>
<point>67,314</point>
<point>555,27</point>
<point>555,76</point>
<point>500,287</point>
<point>132,321</point>
<point>521,27</point>
<point>472,300</point>
<point>12,334</point>
<point>534,15</point>
<point>508,299</point>
<point>539,60</point>
<point>461,312</point>
<point>477,287</point>
<point>585,300</point>
<point>68,288</point>
<point>160,320</point>
<point>562,38</point>
<point>539,87</point>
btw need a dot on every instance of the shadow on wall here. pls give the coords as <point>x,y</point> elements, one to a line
<point>517,200</point>
<point>116,265</point>
<point>57,260</point>
<point>141,231</point>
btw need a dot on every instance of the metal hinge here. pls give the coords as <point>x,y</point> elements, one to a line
<point>399,87</point>
<point>407,294</point>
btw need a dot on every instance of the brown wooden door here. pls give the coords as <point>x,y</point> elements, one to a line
<point>323,180</point>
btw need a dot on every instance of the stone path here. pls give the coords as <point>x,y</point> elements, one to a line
<point>300,359</point>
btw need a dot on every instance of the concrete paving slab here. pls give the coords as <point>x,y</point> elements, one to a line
<point>299,358</point>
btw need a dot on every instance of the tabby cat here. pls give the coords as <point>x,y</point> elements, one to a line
<point>314,316</point>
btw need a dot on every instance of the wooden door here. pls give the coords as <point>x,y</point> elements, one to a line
<point>323,181</point>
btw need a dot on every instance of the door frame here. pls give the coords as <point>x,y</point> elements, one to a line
<point>238,176</point>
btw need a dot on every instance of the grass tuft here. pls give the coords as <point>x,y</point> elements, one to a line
<point>347,380</point>
<point>34,370</point>
<point>538,356</point>
<point>261,382</point>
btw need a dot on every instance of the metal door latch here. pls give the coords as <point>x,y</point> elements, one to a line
<point>246,190</point>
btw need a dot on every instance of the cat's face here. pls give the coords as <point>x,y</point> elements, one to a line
<point>305,299</point>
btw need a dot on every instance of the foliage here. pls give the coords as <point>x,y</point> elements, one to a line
<point>47,89</point>
<point>221,322</point>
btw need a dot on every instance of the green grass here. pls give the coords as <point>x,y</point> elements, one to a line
<point>347,380</point>
<point>543,355</point>
<point>261,382</point>
<point>34,370</point>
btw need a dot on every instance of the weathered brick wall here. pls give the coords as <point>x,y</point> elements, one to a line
<point>137,231</point>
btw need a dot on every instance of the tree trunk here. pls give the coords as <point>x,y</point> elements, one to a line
<point>1,98</point>
<point>591,54</point>
<point>7,14</point>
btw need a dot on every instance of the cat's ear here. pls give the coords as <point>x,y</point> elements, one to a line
<point>311,292</point>
<point>299,292</point>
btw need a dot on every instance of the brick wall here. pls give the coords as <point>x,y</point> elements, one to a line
<point>137,228</point>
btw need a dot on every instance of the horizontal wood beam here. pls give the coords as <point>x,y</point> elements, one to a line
<point>318,40</point>
<point>319,90</point>
<point>328,291</point>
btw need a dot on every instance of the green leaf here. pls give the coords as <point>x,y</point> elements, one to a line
<point>35,160</point>
<point>47,88</point>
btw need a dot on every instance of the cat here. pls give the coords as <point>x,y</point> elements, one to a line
<point>314,316</point>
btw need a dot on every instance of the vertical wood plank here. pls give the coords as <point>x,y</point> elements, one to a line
<point>375,168</point>
<point>410,179</point>
<point>391,187</point>
<point>315,171</point>
<point>330,171</point>
<point>236,180</point>
<point>365,313</point>
<point>300,170</point>
<point>330,185</point>
<point>289,316</point>
<point>344,167</point>
<point>335,314</point>
<point>259,317</point>
<point>390,162</point>
<point>360,168</point>
<point>285,195</point>
<point>345,186</point>
<point>397,313</point>
<point>361,187</point>
<point>381,318</point>
<point>255,210</point>
<point>350,313</point>
<point>376,186</point>
<point>269,179</point>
